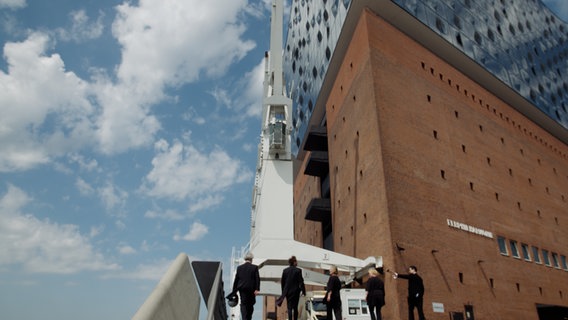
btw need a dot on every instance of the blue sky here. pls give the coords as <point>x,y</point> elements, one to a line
<point>128,134</point>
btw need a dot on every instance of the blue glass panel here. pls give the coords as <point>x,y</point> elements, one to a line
<point>520,42</point>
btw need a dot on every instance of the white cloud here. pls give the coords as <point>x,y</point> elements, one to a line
<point>81,28</point>
<point>192,115</point>
<point>256,9</point>
<point>206,202</point>
<point>84,164</point>
<point>154,271</point>
<point>196,231</point>
<point>248,147</point>
<point>167,215</point>
<point>37,89</point>
<point>245,96</point>
<point>199,120</point>
<point>252,95</point>
<point>112,196</point>
<point>125,120</point>
<point>222,97</point>
<point>126,249</point>
<point>9,25</point>
<point>95,231</point>
<point>120,225</point>
<point>145,246</point>
<point>12,4</point>
<point>42,246</point>
<point>182,172</point>
<point>173,41</point>
<point>48,111</point>
<point>151,271</point>
<point>84,188</point>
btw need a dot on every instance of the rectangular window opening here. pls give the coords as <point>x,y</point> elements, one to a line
<point>502,246</point>
<point>526,252</point>
<point>555,261</point>
<point>514,249</point>
<point>545,257</point>
<point>564,263</point>
<point>536,256</point>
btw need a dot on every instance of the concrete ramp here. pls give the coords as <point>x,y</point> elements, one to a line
<point>177,295</point>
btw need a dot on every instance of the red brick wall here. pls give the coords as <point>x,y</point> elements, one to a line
<point>412,143</point>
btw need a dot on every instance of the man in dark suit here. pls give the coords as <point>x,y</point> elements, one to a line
<point>415,292</point>
<point>247,283</point>
<point>292,285</point>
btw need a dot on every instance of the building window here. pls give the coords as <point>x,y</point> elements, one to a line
<point>563,262</point>
<point>526,253</point>
<point>555,260</point>
<point>545,257</point>
<point>502,246</point>
<point>514,248</point>
<point>536,256</point>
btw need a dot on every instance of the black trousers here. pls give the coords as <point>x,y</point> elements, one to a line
<point>375,312</point>
<point>333,310</point>
<point>292,312</point>
<point>292,305</point>
<point>415,303</point>
<point>246,311</point>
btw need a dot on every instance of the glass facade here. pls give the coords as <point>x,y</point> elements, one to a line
<point>520,42</point>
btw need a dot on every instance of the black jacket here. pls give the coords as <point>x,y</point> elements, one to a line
<point>375,288</point>
<point>292,282</point>
<point>415,285</point>
<point>247,281</point>
<point>333,286</point>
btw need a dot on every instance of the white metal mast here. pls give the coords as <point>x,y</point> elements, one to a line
<point>272,218</point>
<point>272,194</point>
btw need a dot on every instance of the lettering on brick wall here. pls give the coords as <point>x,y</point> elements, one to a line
<point>470,229</point>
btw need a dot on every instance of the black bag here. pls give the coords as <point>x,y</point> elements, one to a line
<point>280,300</point>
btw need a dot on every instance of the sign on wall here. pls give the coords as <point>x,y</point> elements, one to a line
<point>470,229</point>
<point>438,307</point>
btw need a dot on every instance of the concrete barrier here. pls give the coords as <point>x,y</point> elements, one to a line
<point>176,297</point>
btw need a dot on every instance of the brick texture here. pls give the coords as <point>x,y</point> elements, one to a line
<point>412,143</point>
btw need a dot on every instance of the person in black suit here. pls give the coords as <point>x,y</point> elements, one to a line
<point>292,283</point>
<point>332,296</point>
<point>375,289</point>
<point>415,292</point>
<point>247,283</point>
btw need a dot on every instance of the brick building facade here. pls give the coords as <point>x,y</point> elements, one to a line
<point>424,165</point>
